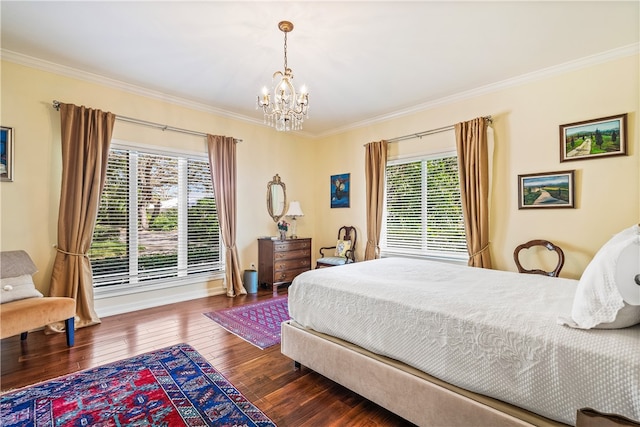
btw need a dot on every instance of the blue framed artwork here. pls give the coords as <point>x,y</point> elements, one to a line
<point>6,153</point>
<point>340,187</point>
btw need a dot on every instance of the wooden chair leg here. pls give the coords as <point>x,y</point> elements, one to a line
<point>70,332</point>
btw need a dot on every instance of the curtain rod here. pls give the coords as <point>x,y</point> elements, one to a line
<point>429,132</point>
<point>56,105</point>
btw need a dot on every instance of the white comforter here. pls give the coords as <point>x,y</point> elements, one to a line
<point>488,331</point>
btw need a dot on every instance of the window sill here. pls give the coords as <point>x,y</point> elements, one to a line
<point>136,288</point>
<point>448,258</point>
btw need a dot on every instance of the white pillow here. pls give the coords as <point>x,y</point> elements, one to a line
<point>598,302</point>
<point>16,288</point>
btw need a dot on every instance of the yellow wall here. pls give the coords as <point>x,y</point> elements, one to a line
<point>526,119</point>
<point>29,205</point>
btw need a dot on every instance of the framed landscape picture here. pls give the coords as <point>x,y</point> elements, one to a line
<point>546,190</point>
<point>6,153</point>
<point>340,186</point>
<point>594,138</point>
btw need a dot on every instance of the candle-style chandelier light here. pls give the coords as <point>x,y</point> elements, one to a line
<point>288,110</point>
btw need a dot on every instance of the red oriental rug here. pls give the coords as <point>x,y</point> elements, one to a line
<point>174,386</point>
<point>257,323</point>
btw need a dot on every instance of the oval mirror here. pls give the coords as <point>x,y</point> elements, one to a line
<point>276,198</point>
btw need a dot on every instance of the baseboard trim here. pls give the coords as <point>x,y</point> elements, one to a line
<point>111,306</point>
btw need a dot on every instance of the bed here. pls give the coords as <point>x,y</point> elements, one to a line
<point>442,344</point>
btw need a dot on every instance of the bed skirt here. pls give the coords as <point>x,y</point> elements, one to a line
<point>405,391</point>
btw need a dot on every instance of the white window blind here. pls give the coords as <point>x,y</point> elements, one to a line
<point>423,212</point>
<point>157,220</point>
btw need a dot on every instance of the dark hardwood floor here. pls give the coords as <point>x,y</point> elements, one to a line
<point>266,377</point>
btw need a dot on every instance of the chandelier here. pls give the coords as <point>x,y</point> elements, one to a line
<point>288,110</point>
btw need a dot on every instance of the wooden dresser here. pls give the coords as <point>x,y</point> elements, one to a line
<point>279,261</point>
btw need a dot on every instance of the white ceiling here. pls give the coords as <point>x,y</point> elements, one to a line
<point>362,60</point>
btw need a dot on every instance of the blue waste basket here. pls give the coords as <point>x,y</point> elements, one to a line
<point>251,281</point>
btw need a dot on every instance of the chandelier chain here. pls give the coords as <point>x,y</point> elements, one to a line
<point>285,52</point>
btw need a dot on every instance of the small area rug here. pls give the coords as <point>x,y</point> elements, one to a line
<point>257,323</point>
<point>174,386</point>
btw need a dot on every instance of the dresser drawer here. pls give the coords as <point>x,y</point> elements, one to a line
<point>292,264</point>
<point>287,275</point>
<point>301,253</point>
<point>291,245</point>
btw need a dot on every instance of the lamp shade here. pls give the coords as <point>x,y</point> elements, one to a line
<point>294,209</point>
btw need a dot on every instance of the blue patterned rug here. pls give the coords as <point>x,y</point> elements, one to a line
<point>174,386</point>
<point>257,323</point>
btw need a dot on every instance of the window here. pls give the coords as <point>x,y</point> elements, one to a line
<point>157,221</point>
<point>423,212</point>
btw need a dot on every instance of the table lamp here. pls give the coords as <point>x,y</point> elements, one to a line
<point>294,212</point>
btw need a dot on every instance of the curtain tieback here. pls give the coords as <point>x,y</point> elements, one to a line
<point>376,247</point>
<point>71,253</point>
<point>480,251</point>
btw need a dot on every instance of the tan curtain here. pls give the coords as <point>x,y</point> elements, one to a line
<point>86,137</point>
<point>375,163</point>
<point>473,162</point>
<point>222,161</point>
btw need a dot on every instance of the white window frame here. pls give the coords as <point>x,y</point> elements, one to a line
<point>182,279</point>
<point>451,257</point>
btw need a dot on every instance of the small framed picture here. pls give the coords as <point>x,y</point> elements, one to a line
<point>340,186</point>
<point>592,139</point>
<point>546,190</point>
<point>6,153</point>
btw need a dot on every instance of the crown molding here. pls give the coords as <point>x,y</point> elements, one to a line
<point>589,61</point>
<point>63,70</point>
<point>621,52</point>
